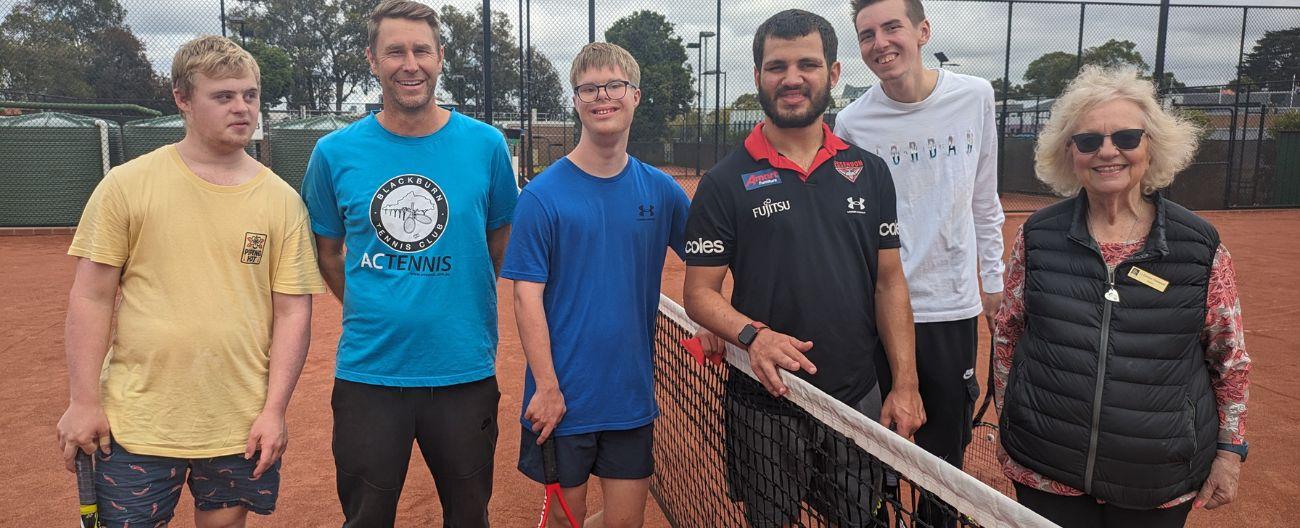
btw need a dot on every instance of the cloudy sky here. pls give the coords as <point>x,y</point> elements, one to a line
<point>1203,41</point>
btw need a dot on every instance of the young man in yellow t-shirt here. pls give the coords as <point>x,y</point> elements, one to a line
<point>213,255</point>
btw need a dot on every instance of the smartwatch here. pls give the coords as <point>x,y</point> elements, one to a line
<point>749,332</point>
<point>1239,449</point>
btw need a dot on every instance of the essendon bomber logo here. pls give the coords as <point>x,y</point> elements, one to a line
<point>409,213</point>
<point>849,169</point>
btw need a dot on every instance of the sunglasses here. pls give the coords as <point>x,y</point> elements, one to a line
<point>1090,142</point>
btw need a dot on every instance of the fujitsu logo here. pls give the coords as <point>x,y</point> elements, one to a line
<point>770,208</point>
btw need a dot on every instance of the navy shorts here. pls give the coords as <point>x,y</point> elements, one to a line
<point>142,490</point>
<point>627,454</point>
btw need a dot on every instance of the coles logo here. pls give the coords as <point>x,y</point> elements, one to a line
<point>849,169</point>
<point>889,229</point>
<point>701,246</point>
<point>760,179</point>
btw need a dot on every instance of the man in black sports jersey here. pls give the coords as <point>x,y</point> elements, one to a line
<point>806,224</point>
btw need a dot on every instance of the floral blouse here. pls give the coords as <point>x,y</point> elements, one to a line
<point>1223,337</point>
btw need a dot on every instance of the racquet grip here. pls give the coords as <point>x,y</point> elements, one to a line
<point>549,468</point>
<point>86,496</point>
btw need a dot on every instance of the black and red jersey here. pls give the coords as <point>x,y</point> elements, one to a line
<point>802,248</point>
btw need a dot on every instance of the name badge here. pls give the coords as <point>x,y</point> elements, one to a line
<point>1145,277</point>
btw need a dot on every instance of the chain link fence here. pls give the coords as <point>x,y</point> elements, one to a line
<point>1232,67</point>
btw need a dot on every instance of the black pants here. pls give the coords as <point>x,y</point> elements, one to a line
<point>374,427</point>
<point>945,363</point>
<point>1084,512</point>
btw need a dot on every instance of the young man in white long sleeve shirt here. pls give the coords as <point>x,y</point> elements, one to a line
<point>942,127</point>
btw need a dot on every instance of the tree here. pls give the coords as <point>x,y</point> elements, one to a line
<point>666,91</point>
<point>77,48</point>
<point>462,68</point>
<point>747,101</point>
<point>1114,54</point>
<point>325,41</point>
<point>277,71</point>
<point>1049,74</point>
<point>547,92</point>
<point>1016,91</point>
<point>1275,57</point>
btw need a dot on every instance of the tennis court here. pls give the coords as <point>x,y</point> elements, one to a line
<point>35,276</point>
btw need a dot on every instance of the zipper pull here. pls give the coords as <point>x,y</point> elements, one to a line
<point>1111,295</point>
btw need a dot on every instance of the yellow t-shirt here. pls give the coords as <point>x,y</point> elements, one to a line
<point>187,371</point>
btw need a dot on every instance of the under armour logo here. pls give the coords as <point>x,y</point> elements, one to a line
<point>645,210</point>
<point>858,203</point>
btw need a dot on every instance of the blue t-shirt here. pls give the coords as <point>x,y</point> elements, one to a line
<point>599,245</point>
<point>420,306</point>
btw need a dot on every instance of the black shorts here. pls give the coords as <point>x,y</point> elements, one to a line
<point>626,454</point>
<point>776,462</point>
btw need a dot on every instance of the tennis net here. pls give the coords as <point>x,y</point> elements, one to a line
<point>726,454</point>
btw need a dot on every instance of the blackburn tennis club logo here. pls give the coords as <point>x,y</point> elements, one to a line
<point>409,213</point>
<point>849,169</point>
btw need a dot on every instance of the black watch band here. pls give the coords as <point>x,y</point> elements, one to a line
<point>749,332</point>
<point>1239,449</point>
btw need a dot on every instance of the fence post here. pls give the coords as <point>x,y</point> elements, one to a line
<point>1078,57</point>
<point>717,85</point>
<point>487,61</point>
<point>1162,35</point>
<point>1236,103</point>
<point>223,18</point>
<point>591,21</point>
<point>1006,96</point>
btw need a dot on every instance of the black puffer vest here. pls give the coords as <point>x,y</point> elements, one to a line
<point>1112,397</point>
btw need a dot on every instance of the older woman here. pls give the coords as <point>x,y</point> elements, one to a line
<point>1120,357</point>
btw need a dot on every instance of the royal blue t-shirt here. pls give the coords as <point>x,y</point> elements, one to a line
<point>599,245</point>
<point>420,306</point>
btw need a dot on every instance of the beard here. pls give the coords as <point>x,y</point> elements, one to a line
<point>797,119</point>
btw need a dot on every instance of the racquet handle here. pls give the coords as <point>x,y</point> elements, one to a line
<point>86,490</point>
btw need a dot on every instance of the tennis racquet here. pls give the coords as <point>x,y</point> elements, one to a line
<point>552,475</point>
<point>981,459</point>
<point>86,490</point>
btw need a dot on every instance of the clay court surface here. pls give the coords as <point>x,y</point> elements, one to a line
<point>35,276</point>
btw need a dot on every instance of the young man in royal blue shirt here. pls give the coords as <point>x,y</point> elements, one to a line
<point>422,199</point>
<point>590,236</point>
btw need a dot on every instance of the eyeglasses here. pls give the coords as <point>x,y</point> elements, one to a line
<point>1090,142</point>
<point>614,90</point>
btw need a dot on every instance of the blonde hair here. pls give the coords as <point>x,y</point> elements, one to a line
<point>1171,140</point>
<point>213,56</point>
<point>405,9</point>
<point>599,55</point>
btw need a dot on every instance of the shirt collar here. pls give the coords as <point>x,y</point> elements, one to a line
<point>758,147</point>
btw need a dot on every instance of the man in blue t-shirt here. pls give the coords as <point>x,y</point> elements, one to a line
<point>422,199</point>
<point>590,237</point>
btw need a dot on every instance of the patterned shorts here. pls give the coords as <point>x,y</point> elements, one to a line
<point>142,490</point>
